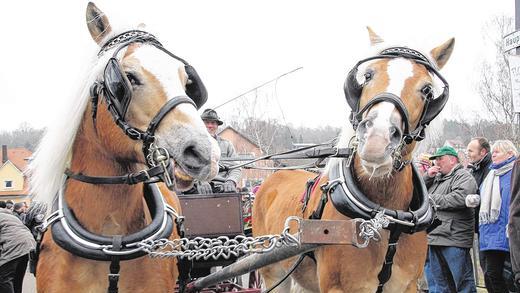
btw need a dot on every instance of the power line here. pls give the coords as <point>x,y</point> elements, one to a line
<point>255,88</point>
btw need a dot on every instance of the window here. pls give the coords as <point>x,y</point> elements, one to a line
<point>8,184</point>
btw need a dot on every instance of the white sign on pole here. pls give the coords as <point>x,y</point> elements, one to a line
<point>511,41</point>
<point>514,72</point>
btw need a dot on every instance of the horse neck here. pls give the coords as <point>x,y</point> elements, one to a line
<point>393,192</point>
<point>105,208</point>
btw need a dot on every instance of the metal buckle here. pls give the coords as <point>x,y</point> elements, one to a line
<point>145,172</point>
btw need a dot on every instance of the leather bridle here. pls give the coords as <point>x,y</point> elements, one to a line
<point>432,105</point>
<point>116,91</point>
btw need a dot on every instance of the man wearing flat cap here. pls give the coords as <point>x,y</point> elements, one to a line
<point>449,267</point>
<point>230,177</point>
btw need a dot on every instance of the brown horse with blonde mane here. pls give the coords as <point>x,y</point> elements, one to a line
<point>390,110</point>
<point>133,126</point>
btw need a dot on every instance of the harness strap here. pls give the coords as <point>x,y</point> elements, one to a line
<point>318,213</point>
<point>34,254</point>
<point>130,179</point>
<point>386,271</point>
<point>309,189</point>
<point>113,276</point>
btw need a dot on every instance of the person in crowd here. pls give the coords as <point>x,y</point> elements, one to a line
<point>16,241</point>
<point>479,157</point>
<point>3,204</point>
<point>478,152</point>
<point>229,178</point>
<point>19,211</point>
<point>9,204</point>
<point>494,214</point>
<point>514,223</point>
<point>449,268</point>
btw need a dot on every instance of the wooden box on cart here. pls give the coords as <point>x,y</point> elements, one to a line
<point>212,215</point>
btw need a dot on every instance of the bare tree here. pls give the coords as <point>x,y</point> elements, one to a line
<point>494,85</point>
<point>24,136</point>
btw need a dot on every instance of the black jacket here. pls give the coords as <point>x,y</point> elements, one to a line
<point>514,222</point>
<point>479,171</point>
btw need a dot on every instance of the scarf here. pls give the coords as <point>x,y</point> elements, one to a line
<point>491,199</point>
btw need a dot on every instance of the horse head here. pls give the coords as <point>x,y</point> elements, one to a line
<point>394,103</point>
<point>153,96</point>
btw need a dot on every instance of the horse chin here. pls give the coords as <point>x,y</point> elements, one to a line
<point>377,169</point>
<point>183,181</point>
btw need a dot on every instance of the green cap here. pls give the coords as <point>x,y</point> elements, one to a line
<point>445,150</point>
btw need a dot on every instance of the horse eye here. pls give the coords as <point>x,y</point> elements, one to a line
<point>368,75</point>
<point>132,79</point>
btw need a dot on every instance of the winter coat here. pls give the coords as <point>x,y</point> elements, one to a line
<point>479,171</point>
<point>514,221</point>
<point>228,151</point>
<point>493,235</point>
<point>15,238</point>
<point>449,194</point>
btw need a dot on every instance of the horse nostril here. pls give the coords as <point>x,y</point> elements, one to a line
<point>193,158</point>
<point>364,126</point>
<point>395,134</point>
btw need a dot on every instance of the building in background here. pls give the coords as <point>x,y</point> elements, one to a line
<point>14,183</point>
<point>247,149</point>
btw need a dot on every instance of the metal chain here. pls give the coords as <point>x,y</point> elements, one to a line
<point>225,247</point>
<point>369,229</point>
<point>125,37</point>
<point>220,247</point>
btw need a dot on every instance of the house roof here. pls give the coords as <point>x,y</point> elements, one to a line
<point>240,133</point>
<point>18,156</point>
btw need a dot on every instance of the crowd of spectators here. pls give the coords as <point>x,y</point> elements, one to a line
<point>477,199</point>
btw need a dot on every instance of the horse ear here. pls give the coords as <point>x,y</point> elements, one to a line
<point>442,53</point>
<point>97,23</point>
<point>374,38</point>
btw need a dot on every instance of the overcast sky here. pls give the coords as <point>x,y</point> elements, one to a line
<point>237,45</point>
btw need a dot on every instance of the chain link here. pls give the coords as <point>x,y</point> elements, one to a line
<point>220,247</point>
<point>134,34</point>
<point>215,248</point>
<point>369,229</point>
<point>226,247</point>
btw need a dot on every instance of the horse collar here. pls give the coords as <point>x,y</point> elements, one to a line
<point>348,199</point>
<point>70,235</point>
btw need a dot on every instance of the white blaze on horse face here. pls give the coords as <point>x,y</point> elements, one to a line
<point>163,67</point>
<point>382,120</point>
<point>398,70</point>
<point>185,125</point>
<point>375,156</point>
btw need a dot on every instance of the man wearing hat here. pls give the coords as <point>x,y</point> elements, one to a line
<point>449,267</point>
<point>231,177</point>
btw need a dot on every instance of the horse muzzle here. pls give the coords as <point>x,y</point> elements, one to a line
<point>376,146</point>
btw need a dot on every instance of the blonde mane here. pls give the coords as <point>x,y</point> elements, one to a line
<point>53,155</point>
